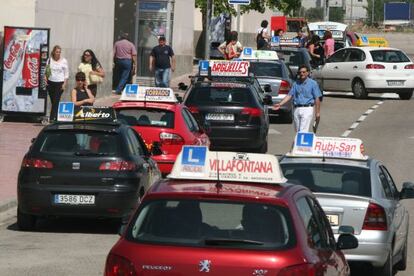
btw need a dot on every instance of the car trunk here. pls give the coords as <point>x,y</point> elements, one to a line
<point>218,116</point>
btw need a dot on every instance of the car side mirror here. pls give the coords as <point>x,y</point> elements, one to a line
<point>267,100</point>
<point>407,190</point>
<point>179,98</point>
<point>346,241</point>
<point>156,148</point>
<point>182,86</point>
<point>267,88</point>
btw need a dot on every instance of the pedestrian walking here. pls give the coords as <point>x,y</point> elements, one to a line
<point>57,74</point>
<point>92,69</point>
<point>262,36</point>
<point>305,95</point>
<point>329,45</point>
<point>162,59</point>
<point>125,58</point>
<point>81,95</point>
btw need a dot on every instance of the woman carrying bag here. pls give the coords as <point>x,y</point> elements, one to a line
<point>93,70</point>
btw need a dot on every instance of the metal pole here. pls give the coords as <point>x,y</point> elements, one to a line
<point>324,8</point>
<point>327,10</point>
<point>207,28</point>
<point>238,19</point>
<point>351,12</point>
<point>373,11</point>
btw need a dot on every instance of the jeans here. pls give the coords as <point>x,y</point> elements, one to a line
<point>162,77</point>
<point>124,66</point>
<point>55,93</point>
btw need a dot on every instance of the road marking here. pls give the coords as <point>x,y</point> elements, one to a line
<point>361,119</point>
<point>274,131</point>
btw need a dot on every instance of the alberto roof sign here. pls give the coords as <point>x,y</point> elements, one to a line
<point>68,112</point>
<point>249,54</point>
<point>229,68</point>
<point>308,145</point>
<point>134,92</point>
<point>197,162</point>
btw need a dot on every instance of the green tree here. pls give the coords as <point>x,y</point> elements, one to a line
<point>336,14</point>
<point>314,14</point>
<point>378,11</point>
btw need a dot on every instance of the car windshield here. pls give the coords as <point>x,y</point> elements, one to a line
<point>391,56</point>
<point>147,117</point>
<point>225,96</point>
<point>329,178</point>
<point>291,58</point>
<point>219,224</point>
<point>80,143</point>
<point>266,69</point>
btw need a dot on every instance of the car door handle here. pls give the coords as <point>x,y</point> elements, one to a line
<point>355,67</point>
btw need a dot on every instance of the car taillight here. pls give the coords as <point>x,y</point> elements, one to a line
<point>171,139</point>
<point>298,270</point>
<point>409,66</point>
<point>118,166</point>
<point>254,112</point>
<point>193,109</point>
<point>375,66</point>
<point>119,266</point>
<point>284,87</point>
<point>36,163</point>
<point>375,218</point>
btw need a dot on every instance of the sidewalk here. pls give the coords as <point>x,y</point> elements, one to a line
<point>15,140</point>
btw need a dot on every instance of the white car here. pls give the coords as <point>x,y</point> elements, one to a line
<point>364,70</point>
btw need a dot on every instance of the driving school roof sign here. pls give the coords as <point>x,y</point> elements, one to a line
<point>248,54</point>
<point>307,144</point>
<point>197,162</point>
<point>229,68</point>
<point>134,92</point>
<point>68,112</point>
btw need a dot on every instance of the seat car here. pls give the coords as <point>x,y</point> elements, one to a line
<point>83,169</point>
<point>159,118</point>
<point>238,217</point>
<point>355,190</point>
<point>363,70</point>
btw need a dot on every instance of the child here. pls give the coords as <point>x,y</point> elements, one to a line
<point>81,94</point>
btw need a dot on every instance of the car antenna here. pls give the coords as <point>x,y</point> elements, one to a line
<point>218,184</point>
<point>323,156</point>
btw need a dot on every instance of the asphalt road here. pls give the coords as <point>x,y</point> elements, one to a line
<point>79,247</point>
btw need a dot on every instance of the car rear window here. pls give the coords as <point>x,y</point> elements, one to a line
<point>80,143</point>
<point>266,69</point>
<point>219,224</point>
<point>147,117</point>
<point>392,56</point>
<point>291,58</point>
<point>330,178</point>
<point>206,96</point>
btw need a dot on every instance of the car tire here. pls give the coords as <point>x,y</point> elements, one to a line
<point>25,222</point>
<point>406,96</point>
<point>387,269</point>
<point>402,264</point>
<point>262,148</point>
<point>358,88</point>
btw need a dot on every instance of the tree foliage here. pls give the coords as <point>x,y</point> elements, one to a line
<point>314,14</point>
<point>336,14</point>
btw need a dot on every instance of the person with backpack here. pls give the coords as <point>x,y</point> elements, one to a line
<point>263,36</point>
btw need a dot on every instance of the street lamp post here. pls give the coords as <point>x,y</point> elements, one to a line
<point>207,28</point>
<point>372,11</point>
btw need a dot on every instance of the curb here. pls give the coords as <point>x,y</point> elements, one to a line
<point>8,204</point>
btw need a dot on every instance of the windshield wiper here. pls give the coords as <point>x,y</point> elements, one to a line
<point>229,103</point>
<point>230,241</point>
<point>89,153</point>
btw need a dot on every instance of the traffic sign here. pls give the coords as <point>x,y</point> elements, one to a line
<point>239,2</point>
<point>304,139</point>
<point>65,111</point>
<point>131,89</point>
<point>203,67</point>
<point>194,155</point>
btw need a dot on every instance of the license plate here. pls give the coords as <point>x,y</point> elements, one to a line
<point>220,117</point>
<point>333,219</point>
<point>395,83</point>
<point>74,199</point>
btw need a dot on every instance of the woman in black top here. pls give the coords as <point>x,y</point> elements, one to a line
<point>81,94</point>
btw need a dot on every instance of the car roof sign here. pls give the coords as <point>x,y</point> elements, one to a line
<point>137,93</point>
<point>229,68</point>
<point>249,54</point>
<point>68,112</point>
<point>289,42</point>
<point>308,144</point>
<point>327,25</point>
<point>65,112</point>
<point>372,41</point>
<point>197,162</point>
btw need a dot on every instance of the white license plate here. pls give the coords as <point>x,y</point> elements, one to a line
<point>333,219</point>
<point>220,117</point>
<point>74,199</point>
<point>395,83</point>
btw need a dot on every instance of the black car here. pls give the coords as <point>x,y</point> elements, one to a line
<point>235,109</point>
<point>83,170</point>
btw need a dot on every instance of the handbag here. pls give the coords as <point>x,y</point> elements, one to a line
<point>95,79</point>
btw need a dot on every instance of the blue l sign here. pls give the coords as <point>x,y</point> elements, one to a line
<point>65,111</point>
<point>195,156</point>
<point>247,51</point>
<point>203,67</point>
<point>304,139</point>
<point>131,89</point>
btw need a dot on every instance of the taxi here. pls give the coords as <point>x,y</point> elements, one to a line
<point>158,117</point>
<point>85,165</point>
<point>227,213</point>
<point>270,71</point>
<point>355,190</point>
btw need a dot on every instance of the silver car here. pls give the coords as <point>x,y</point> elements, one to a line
<point>361,194</point>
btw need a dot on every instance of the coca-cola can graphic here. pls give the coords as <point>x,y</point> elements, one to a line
<point>30,70</point>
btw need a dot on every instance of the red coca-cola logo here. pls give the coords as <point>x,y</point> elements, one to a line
<point>33,65</point>
<point>13,53</point>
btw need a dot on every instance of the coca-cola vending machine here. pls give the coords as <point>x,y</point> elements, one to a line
<point>23,89</point>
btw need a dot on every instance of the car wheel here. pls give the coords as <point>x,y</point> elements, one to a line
<point>406,96</point>
<point>262,148</point>
<point>402,264</point>
<point>387,269</point>
<point>25,222</point>
<point>358,88</point>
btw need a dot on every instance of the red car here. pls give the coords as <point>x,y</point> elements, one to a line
<point>161,119</point>
<point>256,226</point>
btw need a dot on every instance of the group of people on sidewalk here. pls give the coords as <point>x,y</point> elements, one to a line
<point>91,73</point>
